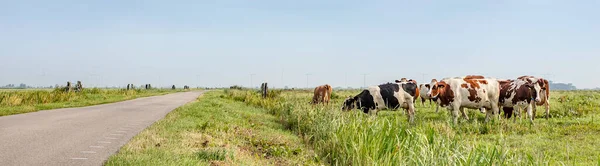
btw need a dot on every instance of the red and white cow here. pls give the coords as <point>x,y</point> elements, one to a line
<point>544,93</point>
<point>516,95</point>
<point>467,92</point>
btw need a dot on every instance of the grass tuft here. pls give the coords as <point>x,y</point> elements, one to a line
<point>212,154</point>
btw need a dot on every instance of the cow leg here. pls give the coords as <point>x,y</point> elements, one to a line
<point>508,111</point>
<point>411,113</point>
<point>493,113</point>
<point>547,104</point>
<point>464,114</point>
<point>534,107</point>
<point>423,101</point>
<point>530,112</point>
<point>437,108</point>
<point>496,110</point>
<point>455,110</point>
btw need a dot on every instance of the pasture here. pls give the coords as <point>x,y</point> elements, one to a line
<point>31,100</point>
<point>333,137</point>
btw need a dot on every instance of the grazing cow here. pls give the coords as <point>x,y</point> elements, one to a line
<point>404,80</point>
<point>518,94</point>
<point>544,93</point>
<point>390,95</point>
<point>466,92</point>
<point>78,87</point>
<point>322,94</point>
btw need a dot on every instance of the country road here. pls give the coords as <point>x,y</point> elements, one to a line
<point>81,136</point>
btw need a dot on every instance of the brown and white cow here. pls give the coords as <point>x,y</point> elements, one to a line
<point>467,92</point>
<point>544,93</point>
<point>322,94</point>
<point>424,89</point>
<point>516,95</point>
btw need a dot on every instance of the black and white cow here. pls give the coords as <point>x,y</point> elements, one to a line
<point>390,95</point>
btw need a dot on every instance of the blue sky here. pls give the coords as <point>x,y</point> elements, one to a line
<point>220,43</point>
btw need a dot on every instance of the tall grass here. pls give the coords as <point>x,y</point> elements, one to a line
<point>22,101</point>
<point>19,98</point>
<point>354,138</point>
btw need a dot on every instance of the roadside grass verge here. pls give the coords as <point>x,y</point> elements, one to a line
<point>24,101</point>
<point>569,137</point>
<point>216,131</point>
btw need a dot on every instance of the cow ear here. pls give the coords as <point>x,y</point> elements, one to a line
<point>441,86</point>
<point>397,81</point>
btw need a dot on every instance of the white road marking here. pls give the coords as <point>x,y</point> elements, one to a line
<point>100,147</point>
<point>79,158</point>
<point>89,152</point>
<point>104,142</point>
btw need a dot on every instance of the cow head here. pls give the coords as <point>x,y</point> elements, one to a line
<point>433,82</point>
<point>349,103</point>
<point>537,91</point>
<point>544,89</point>
<point>424,87</point>
<point>437,88</point>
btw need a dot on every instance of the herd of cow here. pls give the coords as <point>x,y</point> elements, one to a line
<point>474,92</point>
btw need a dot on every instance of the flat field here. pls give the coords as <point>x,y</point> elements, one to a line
<point>235,127</point>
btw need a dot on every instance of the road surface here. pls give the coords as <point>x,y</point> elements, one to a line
<point>80,136</point>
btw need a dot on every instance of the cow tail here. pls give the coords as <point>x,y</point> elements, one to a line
<point>328,91</point>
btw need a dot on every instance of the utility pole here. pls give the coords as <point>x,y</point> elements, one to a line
<point>252,81</point>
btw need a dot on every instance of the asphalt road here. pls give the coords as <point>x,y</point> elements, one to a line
<point>80,136</point>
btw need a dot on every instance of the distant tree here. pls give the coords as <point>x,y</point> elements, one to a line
<point>562,86</point>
